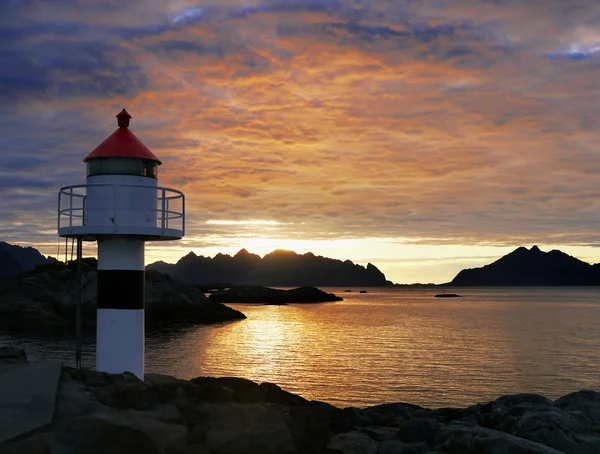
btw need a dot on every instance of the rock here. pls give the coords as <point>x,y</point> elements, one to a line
<point>120,391</point>
<point>168,414</point>
<point>564,425</point>
<point>399,447</point>
<point>311,426</point>
<point>586,402</point>
<point>197,449</point>
<point>137,431</point>
<point>351,443</point>
<point>97,434</point>
<point>380,433</point>
<point>552,428</point>
<point>590,445</point>
<point>230,389</point>
<point>523,400</point>
<point>25,447</point>
<point>74,401</point>
<point>165,426</point>
<point>419,429</point>
<point>165,388</point>
<point>393,414</point>
<point>467,439</point>
<point>27,397</point>
<point>12,355</point>
<point>164,381</point>
<point>276,395</point>
<point>46,297</point>
<point>350,418</point>
<point>250,428</point>
<point>265,295</point>
<point>447,415</point>
<point>101,413</point>
<point>169,301</point>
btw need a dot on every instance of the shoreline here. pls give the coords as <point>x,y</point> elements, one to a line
<point>88,411</point>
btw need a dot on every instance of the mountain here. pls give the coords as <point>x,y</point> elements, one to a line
<point>531,267</point>
<point>280,268</point>
<point>15,260</point>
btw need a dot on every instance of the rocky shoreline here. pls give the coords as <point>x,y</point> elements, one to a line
<point>45,298</point>
<point>98,413</point>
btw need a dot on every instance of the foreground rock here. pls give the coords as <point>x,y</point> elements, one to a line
<point>46,298</point>
<point>99,413</point>
<point>266,295</point>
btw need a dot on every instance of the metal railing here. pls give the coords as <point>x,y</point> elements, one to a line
<point>169,207</point>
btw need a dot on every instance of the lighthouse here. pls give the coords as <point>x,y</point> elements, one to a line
<point>121,206</point>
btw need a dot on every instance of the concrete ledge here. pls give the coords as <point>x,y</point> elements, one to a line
<point>27,397</point>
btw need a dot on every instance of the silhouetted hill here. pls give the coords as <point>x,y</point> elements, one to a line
<point>278,269</point>
<point>15,260</point>
<point>531,267</point>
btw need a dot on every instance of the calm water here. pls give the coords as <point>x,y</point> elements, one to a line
<point>389,346</point>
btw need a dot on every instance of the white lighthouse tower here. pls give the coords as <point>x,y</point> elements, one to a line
<point>121,207</point>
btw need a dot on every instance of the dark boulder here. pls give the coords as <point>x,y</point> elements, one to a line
<point>265,295</point>
<point>240,390</point>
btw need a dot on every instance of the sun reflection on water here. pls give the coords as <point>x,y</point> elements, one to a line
<point>390,346</point>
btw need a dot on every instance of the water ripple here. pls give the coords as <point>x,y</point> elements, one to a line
<point>390,346</point>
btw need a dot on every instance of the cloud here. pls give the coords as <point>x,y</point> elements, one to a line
<point>442,121</point>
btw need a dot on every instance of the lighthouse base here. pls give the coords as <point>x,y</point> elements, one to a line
<point>120,316</point>
<point>120,341</point>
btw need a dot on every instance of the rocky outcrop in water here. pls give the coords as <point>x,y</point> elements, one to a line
<point>98,413</point>
<point>265,295</point>
<point>46,298</point>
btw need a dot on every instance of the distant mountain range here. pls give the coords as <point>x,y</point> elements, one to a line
<point>277,269</point>
<point>522,267</point>
<point>531,267</point>
<point>15,260</point>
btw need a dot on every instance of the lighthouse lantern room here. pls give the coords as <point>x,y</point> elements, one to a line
<point>121,207</point>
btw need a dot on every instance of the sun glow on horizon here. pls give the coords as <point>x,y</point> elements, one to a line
<point>248,222</point>
<point>401,260</point>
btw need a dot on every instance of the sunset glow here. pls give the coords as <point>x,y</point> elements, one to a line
<point>423,137</point>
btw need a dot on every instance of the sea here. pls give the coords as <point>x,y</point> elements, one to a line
<point>386,345</point>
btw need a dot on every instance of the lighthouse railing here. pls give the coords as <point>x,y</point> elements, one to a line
<point>74,217</point>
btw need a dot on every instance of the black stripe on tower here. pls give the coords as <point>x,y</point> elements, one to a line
<point>120,289</point>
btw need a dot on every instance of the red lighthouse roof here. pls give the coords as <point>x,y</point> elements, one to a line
<point>122,143</point>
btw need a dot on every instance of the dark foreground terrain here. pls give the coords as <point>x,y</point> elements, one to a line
<point>46,298</point>
<point>97,413</point>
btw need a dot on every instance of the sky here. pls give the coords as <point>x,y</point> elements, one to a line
<point>423,136</point>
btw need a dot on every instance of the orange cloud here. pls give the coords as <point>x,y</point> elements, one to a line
<point>460,125</point>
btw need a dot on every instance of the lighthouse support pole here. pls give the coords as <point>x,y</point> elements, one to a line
<point>120,321</point>
<point>79,294</point>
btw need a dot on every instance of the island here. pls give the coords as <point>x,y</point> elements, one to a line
<point>270,296</point>
<point>279,268</point>
<point>531,267</point>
